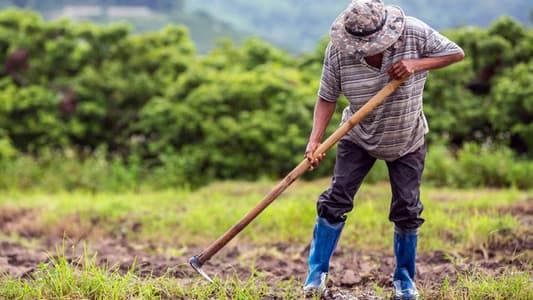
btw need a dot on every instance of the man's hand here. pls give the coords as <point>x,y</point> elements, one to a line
<point>309,154</point>
<point>402,69</point>
<point>406,67</point>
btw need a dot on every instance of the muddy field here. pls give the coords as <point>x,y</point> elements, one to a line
<point>353,276</point>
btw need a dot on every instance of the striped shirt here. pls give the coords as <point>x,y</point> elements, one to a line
<point>397,127</point>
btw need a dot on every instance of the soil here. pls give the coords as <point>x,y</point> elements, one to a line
<point>354,274</point>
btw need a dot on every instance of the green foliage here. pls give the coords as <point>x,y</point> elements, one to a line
<point>511,112</point>
<point>452,110</point>
<point>29,116</point>
<point>7,150</point>
<point>146,108</point>
<point>477,165</point>
<point>509,29</point>
<point>239,104</point>
<point>56,171</point>
<point>498,59</point>
<point>110,74</point>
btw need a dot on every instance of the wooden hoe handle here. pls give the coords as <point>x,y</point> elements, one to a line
<point>198,260</point>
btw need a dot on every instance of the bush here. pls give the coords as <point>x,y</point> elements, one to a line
<point>477,166</point>
<point>134,109</point>
<point>441,167</point>
<point>98,171</point>
<point>7,150</point>
<point>68,170</point>
<point>482,165</point>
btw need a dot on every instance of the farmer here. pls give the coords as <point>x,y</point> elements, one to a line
<point>370,44</point>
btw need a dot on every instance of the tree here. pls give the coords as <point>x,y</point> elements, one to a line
<point>512,109</point>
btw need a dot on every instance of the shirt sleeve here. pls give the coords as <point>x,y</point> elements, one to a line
<point>330,82</point>
<point>435,44</point>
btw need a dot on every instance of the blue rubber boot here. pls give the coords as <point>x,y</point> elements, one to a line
<point>404,275</point>
<point>325,238</point>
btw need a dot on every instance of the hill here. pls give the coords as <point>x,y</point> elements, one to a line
<point>297,24</point>
<point>143,15</point>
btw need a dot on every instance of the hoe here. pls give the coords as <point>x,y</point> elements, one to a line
<point>199,260</point>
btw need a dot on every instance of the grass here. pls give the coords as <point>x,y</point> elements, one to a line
<point>456,220</point>
<point>480,286</point>
<point>84,280</point>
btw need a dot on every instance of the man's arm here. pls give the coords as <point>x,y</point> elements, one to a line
<point>322,116</point>
<point>407,67</point>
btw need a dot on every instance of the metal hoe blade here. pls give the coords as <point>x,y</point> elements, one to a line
<point>196,264</point>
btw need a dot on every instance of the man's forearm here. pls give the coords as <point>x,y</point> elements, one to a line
<point>407,67</point>
<point>432,63</point>
<point>322,116</point>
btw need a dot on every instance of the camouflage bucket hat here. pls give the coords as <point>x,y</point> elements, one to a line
<point>367,27</point>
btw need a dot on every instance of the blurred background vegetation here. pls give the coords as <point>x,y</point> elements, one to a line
<point>292,25</point>
<point>120,106</point>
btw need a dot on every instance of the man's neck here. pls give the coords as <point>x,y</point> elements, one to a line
<point>375,60</point>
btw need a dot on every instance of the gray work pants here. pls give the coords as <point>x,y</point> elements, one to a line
<point>353,164</point>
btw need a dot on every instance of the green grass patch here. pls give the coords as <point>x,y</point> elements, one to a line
<point>83,279</point>
<point>482,286</point>
<point>455,219</point>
